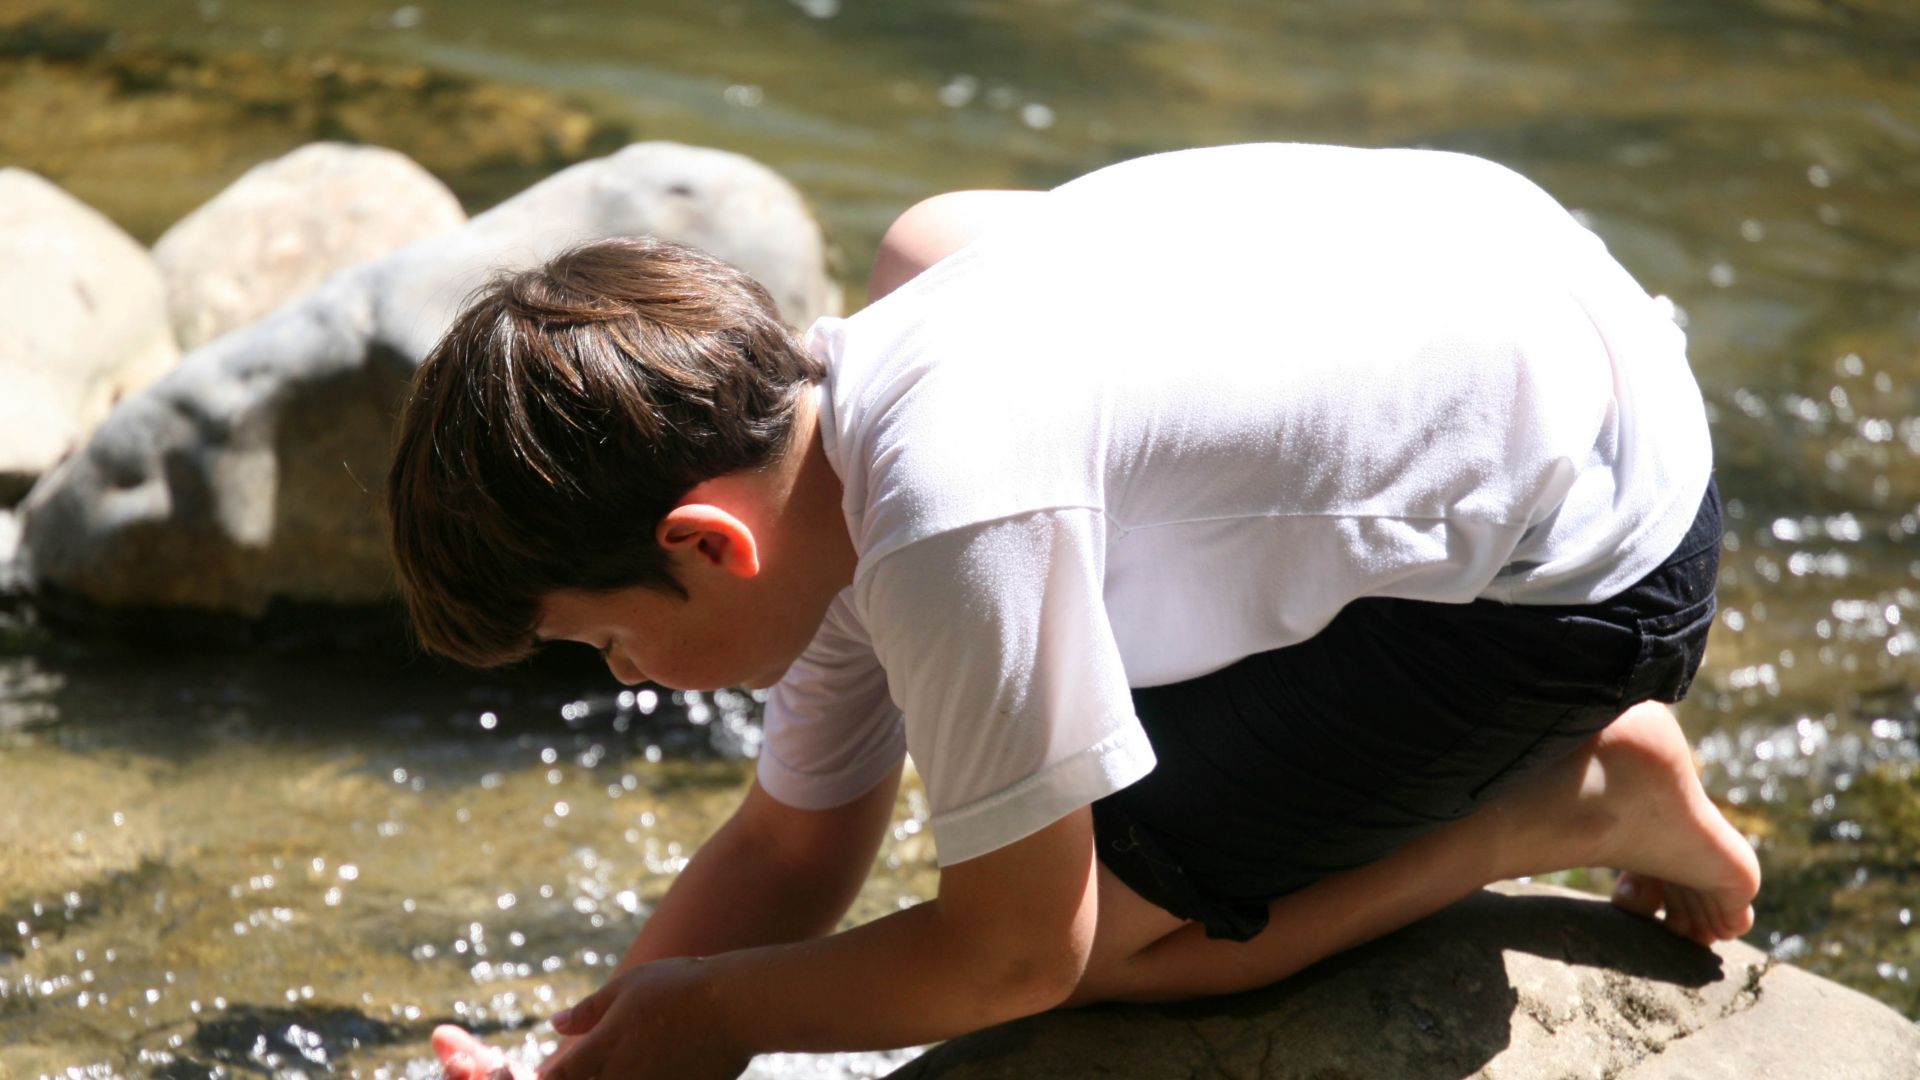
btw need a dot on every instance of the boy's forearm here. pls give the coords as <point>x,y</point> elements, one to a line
<point>729,897</point>
<point>1009,935</point>
<point>901,980</point>
<point>771,874</point>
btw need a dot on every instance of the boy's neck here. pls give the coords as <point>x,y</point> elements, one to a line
<point>811,495</point>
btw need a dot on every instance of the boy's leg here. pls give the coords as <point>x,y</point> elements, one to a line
<point>1628,798</point>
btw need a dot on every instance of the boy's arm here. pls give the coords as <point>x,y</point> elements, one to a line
<point>1008,936</point>
<point>771,874</point>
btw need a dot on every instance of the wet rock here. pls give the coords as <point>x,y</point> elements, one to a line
<point>85,319</point>
<point>275,1040</point>
<point>290,223</point>
<point>251,475</point>
<point>1519,981</point>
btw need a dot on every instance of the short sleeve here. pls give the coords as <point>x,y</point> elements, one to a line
<point>830,731</point>
<point>997,647</point>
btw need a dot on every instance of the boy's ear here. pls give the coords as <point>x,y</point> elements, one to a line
<point>706,532</point>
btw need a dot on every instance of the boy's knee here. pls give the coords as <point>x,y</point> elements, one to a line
<point>936,227</point>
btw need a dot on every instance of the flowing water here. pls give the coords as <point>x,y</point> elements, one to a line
<point>268,863</point>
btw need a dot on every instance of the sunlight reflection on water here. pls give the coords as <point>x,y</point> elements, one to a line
<point>177,835</point>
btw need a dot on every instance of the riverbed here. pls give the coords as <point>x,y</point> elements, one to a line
<point>299,862</point>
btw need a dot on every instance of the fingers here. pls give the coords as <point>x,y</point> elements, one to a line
<point>1642,896</point>
<point>465,1057</point>
<point>586,1013</point>
<point>572,1065</point>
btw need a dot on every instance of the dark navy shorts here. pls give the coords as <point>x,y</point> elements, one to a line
<point>1400,716</point>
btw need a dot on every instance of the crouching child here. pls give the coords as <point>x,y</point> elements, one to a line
<point>1256,549</point>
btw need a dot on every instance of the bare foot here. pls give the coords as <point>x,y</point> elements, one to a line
<point>1629,798</point>
<point>1675,850</point>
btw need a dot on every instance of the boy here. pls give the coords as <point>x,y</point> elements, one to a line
<point>1256,548</point>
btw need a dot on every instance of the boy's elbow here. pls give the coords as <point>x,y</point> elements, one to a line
<point>1035,972</point>
<point>1055,979</point>
<point>1024,917</point>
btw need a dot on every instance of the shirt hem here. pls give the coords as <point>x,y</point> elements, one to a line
<point>824,791</point>
<point>1017,812</point>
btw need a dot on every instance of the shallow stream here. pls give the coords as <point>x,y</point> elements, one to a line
<point>288,864</point>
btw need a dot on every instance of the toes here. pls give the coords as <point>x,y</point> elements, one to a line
<point>1711,922</point>
<point>1694,921</point>
<point>1700,926</point>
<point>1730,921</point>
<point>1679,917</point>
<point>1720,921</point>
<point>1637,894</point>
<point>1740,922</point>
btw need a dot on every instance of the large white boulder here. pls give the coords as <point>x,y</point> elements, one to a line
<point>253,473</point>
<point>83,320</point>
<point>289,224</point>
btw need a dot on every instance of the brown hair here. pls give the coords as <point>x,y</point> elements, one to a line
<point>567,409</point>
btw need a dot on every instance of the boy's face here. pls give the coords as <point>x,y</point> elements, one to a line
<point>761,556</point>
<point>714,638</point>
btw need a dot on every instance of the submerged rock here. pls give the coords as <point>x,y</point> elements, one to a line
<point>144,129</point>
<point>1516,982</point>
<point>251,475</point>
<point>85,319</point>
<point>278,1040</point>
<point>289,224</point>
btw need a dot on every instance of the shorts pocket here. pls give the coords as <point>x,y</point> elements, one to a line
<point>1671,647</point>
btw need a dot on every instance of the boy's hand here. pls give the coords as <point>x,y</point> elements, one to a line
<point>653,1021</point>
<point>467,1058</point>
<point>644,1023</point>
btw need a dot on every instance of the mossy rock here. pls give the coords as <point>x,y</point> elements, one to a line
<point>145,132</point>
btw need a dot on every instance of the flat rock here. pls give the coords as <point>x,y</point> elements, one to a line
<point>1513,983</point>
<point>85,318</point>
<point>251,476</point>
<point>288,224</point>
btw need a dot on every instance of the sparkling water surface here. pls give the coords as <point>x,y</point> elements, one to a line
<point>297,864</point>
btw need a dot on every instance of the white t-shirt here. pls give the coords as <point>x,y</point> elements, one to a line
<point>1183,413</point>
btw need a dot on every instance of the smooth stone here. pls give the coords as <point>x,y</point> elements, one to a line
<point>290,223</point>
<point>251,477</point>
<point>85,317</point>
<point>1515,982</point>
